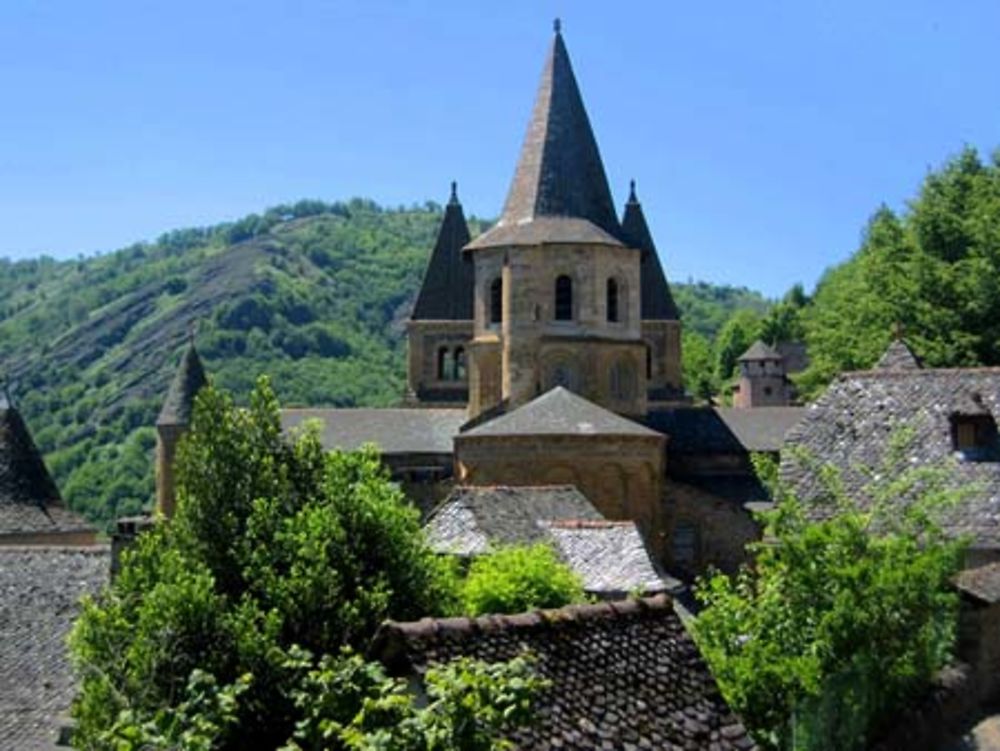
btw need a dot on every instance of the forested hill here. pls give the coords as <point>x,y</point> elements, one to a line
<point>313,294</point>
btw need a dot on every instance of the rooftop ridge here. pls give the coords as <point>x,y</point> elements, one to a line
<point>917,372</point>
<point>585,523</point>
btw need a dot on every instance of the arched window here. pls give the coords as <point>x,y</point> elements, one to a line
<point>444,364</point>
<point>460,364</point>
<point>613,300</point>
<point>496,301</point>
<point>564,298</point>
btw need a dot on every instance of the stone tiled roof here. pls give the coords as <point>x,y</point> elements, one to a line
<point>898,356</point>
<point>40,588</point>
<point>560,174</point>
<point>760,351</point>
<point>724,430</point>
<point>29,499</point>
<point>850,426</point>
<point>622,675</point>
<point>394,431</point>
<point>188,380</point>
<point>982,583</point>
<point>656,303</point>
<point>471,519</point>
<point>447,290</point>
<point>560,412</point>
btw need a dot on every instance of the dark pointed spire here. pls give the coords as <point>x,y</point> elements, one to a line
<point>446,294</point>
<point>656,303</point>
<point>24,478</point>
<point>560,192</point>
<point>188,381</point>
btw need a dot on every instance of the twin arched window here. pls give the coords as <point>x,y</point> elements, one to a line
<point>564,298</point>
<point>451,365</point>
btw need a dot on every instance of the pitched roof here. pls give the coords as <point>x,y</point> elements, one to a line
<point>850,426</point>
<point>898,356</point>
<point>471,519</point>
<point>178,407</point>
<point>760,351</point>
<point>30,503</point>
<point>623,674</point>
<point>656,303</point>
<point>982,583</point>
<point>560,412</point>
<point>724,430</point>
<point>41,588</point>
<point>393,430</point>
<point>447,291</point>
<point>559,176</point>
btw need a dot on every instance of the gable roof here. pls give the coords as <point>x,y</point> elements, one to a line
<point>621,674</point>
<point>41,589</point>
<point>724,430</point>
<point>30,503</point>
<point>982,583</point>
<point>559,177</point>
<point>393,430</point>
<point>560,412</point>
<point>447,290</point>
<point>760,351</point>
<point>850,426</point>
<point>656,303</point>
<point>898,356</point>
<point>190,377</point>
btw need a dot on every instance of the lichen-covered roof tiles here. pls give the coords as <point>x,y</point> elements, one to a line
<point>622,675</point>
<point>394,431</point>
<point>40,588</point>
<point>981,583</point>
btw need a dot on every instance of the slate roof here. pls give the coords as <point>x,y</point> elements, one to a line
<point>851,424</point>
<point>40,588</point>
<point>393,430</point>
<point>560,412</point>
<point>898,356</point>
<point>724,430</point>
<point>448,287</point>
<point>188,380</point>
<point>560,191</point>
<point>760,351</point>
<point>982,583</point>
<point>623,675</point>
<point>29,499</point>
<point>656,303</point>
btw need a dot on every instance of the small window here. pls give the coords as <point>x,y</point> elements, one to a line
<point>564,298</point>
<point>649,362</point>
<point>459,372</point>
<point>443,364</point>
<point>684,547</point>
<point>496,301</point>
<point>975,437</point>
<point>612,300</point>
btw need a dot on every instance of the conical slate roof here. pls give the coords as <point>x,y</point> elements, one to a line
<point>655,301</point>
<point>760,351</point>
<point>447,291</point>
<point>898,356</point>
<point>190,377</point>
<point>560,192</point>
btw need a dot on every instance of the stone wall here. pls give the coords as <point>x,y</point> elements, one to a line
<point>428,383</point>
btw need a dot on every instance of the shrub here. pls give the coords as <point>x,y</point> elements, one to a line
<point>519,578</point>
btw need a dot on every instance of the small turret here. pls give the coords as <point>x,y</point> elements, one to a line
<point>173,422</point>
<point>763,380</point>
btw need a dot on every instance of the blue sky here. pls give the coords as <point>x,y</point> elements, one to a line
<point>762,135</point>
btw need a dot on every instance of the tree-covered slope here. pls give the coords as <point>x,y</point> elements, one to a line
<point>313,294</point>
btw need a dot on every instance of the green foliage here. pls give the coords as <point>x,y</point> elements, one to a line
<point>516,579</point>
<point>276,547</point>
<point>705,307</point>
<point>735,338</point>
<point>838,622</point>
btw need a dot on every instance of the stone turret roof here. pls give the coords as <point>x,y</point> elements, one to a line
<point>447,291</point>
<point>560,412</point>
<point>760,351</point>
<point>30,503</point>
<point>656,303</point>
<point>898,356</point>
<point>188,381</point>
<point>621,675</point>
<point>560,192</point>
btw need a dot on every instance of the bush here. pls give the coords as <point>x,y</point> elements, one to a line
<point>519,578</point>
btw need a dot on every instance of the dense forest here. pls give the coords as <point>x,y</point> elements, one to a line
<point>313,294</point>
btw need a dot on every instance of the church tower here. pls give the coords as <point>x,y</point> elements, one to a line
<point>557,288</point>
<point>173,422</point>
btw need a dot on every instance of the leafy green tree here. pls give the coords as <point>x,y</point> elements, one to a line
<point>518,578</point>
<point>699,366</point>
<point>736,336</point>
<point>840,621</point>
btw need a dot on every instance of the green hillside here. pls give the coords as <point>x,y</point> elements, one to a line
<point>313,294</point>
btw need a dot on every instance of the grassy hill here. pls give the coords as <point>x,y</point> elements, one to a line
<point>313,294</point>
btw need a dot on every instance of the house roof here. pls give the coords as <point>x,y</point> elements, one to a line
<point>982,583</point>
<point>41,588</point>
<point>850,427</point>
<point>178,407</point>
<point>760,351</point>
<point>447,290</point>
<point>724,430</point>
<point>559,175</point>
<point>560,412</point>
<point>394,431</point>
<point>656,303</point>
<point>30,503</point>
<point>898,356</point>
<point>622,674</point>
